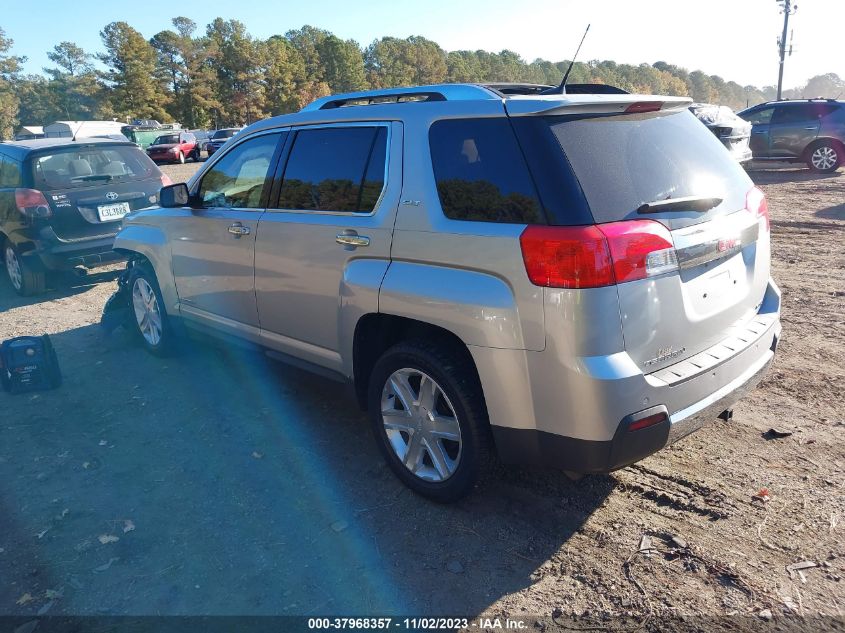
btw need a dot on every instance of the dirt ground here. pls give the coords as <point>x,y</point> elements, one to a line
<point>219,483</point>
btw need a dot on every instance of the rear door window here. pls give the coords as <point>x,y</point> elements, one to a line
<point>481,173</point>
<point>239,178</point>
<point>335,169</point>
<point>10,172</point>
<point>794,114</point>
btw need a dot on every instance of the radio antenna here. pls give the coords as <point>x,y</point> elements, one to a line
<point>561,89</point>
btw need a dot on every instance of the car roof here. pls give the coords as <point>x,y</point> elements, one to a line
<point>20,149</point>
<point>517,99</point>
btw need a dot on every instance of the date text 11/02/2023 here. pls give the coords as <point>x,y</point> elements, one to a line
<point>417,624</point>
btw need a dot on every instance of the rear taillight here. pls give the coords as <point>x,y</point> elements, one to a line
<point>644,106</point>
<point>640,249</point>
<point>165,180</point>
<point>755,202</point>
<point>599,255</point>
<point>566,256</point>
<point>32,203</point>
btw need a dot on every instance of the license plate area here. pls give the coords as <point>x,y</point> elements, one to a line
<point>112,212</point>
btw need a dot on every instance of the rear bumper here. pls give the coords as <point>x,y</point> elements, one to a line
<point>541,448</point>
<point>575,416</point>
<point>53,253</point>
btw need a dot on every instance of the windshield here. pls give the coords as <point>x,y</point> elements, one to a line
<point>652,157</point>
<point>223,134</point>
<point>65,168</point>
<point>166,139</point>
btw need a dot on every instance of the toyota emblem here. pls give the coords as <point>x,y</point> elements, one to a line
<point>111,195</point>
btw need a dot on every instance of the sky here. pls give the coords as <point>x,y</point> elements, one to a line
<point>735,39</point>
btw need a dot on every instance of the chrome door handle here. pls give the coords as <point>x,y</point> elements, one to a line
<point>352,239</point>
<point>238,230</point>
<point>812,127</point>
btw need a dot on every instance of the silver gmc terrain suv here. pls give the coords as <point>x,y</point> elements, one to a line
<point>572,280</point>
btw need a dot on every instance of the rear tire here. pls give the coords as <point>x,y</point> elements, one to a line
<point>445,437</point>
<point>25,281</point>
<point>825,157</point>
<point>150,321</point>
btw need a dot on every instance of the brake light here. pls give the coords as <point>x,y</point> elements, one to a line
<point>640,249</point>
<point>644,106</point>
<point>566,256</point>
<point>32,203</point>
<point>165,180</point>
<point>598,255</point>
<point>755,202</point>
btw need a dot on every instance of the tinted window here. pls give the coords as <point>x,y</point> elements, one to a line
<point>335,169</point>
<point>624,161</point>
<point>480,172</point>
<point>794,114</point>
<point>65,168</point>
<point>237,180</point>
<point>759,116</point>
<point>10,172</point>
<point>166,139</point>
<point>223,134</point>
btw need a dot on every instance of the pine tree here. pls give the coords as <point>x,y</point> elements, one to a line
<point>136,91</point>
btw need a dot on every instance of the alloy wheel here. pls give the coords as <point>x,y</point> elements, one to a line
<point>421,425</point>
<point>13,268</point>
<point>147,311</point>
<point>824,157</point>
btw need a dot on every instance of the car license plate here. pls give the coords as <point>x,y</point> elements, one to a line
<point>109,212</point>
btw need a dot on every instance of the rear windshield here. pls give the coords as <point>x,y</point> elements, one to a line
<point>167,139</point>
<point>67,168</point>
<point>625,161</point>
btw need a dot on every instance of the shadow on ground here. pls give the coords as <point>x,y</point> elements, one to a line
<point>774,173</point>
<point>222,483</point>
<point>63,284</point>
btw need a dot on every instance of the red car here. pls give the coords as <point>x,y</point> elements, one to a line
<point>175,147</point>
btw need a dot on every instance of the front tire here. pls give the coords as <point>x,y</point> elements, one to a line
<point>25,281</point>
<point>430,420</point>
<point>150,321</point>
<point>824,158</point>
<point>181,158</point>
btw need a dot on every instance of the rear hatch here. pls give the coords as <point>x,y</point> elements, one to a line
<point>90,187</point>
<point>665,167</point>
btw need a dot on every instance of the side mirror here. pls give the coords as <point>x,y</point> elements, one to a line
<point>174,195</point>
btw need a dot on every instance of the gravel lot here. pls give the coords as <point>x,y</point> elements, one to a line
<point>219,483</point>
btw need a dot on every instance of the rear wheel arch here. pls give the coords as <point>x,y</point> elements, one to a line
<point>375,333</point>
<point>835,142</point>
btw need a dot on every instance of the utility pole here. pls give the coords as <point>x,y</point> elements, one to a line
<point>788,8</point>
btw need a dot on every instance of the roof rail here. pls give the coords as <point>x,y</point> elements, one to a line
<point>412,94</point>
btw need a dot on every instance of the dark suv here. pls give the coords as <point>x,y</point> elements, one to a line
<point>61,202</point>
<point>808,131</point>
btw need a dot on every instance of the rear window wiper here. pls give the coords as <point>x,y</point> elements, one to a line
<point>698,204</point>
<point>106,177</point>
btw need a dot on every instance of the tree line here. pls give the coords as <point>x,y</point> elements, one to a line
<point>223,76</point>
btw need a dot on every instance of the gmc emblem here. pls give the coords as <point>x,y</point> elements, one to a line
<point>728,244</point>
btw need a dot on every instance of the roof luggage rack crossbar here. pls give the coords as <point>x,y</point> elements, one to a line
<point>407,97</point>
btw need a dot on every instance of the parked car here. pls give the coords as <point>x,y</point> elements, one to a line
<point>144,132</point>
<point>573,280</point>
<point>219,137</point>
<point>808,131</point>
<point>174,147</point>
<point>732,131</point>
<point>61,202</point>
